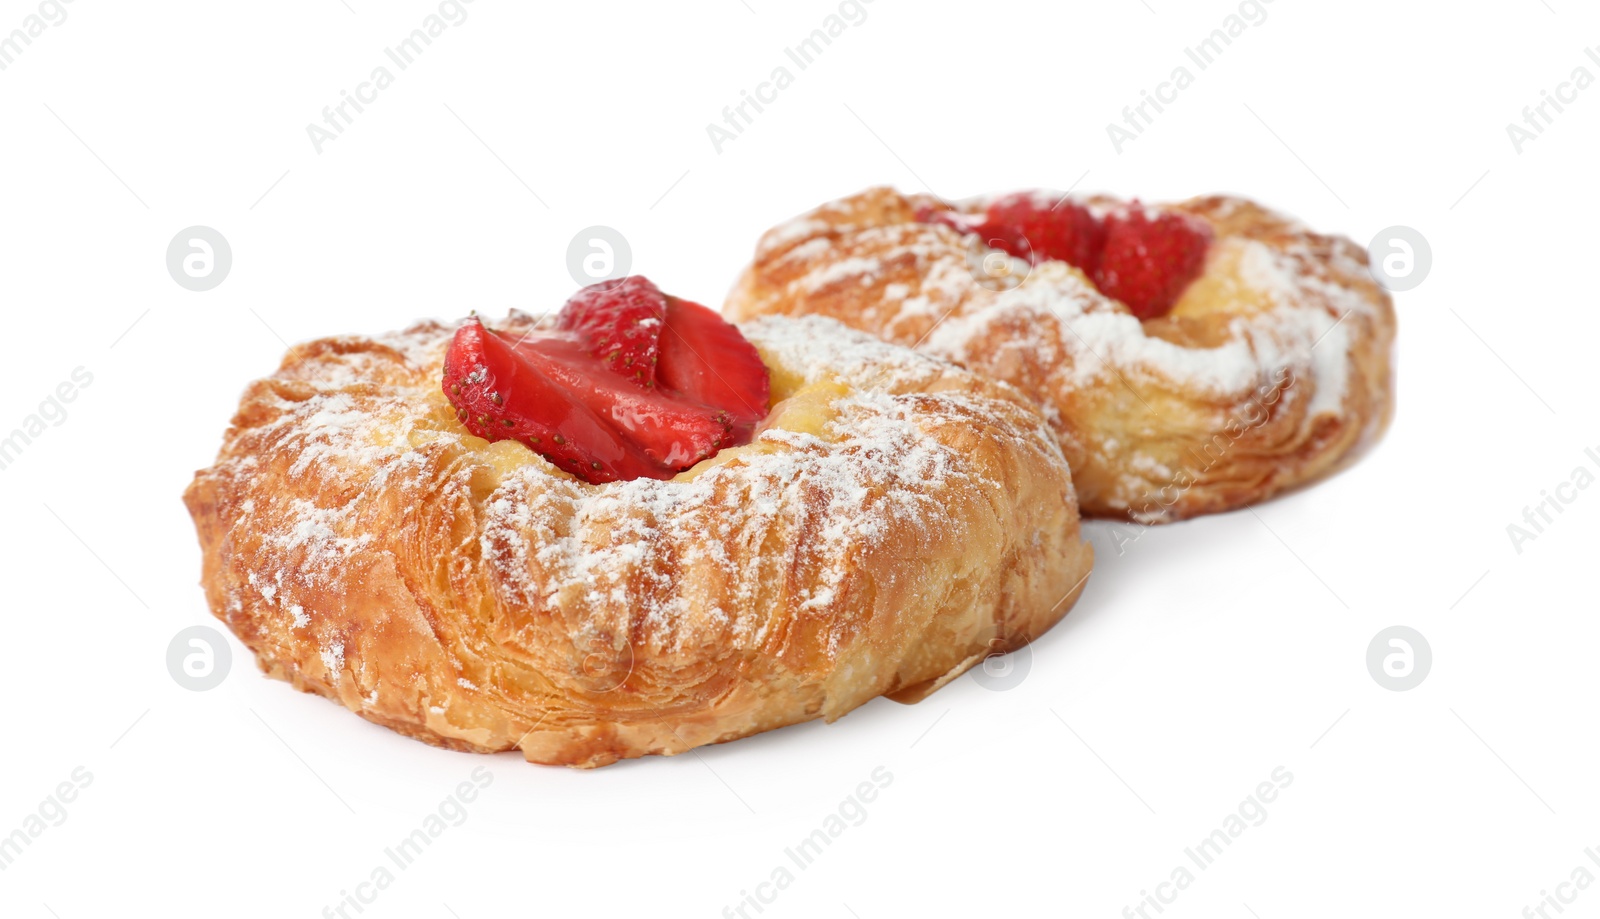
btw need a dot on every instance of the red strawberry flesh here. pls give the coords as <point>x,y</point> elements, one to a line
<point>671,431</point>
<point>620,323</point>
<point>706,359</point>
<point>1145,261</point>
<point>1062,230</point>
<point>631,384</point>
<point>498,395</point>
<point>1149,260</point>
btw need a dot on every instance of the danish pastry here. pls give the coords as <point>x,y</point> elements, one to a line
<point>1192,357</point>
<point>879,523</point>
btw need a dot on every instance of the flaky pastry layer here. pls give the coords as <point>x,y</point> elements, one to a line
<point>1273,370</point>
<point>894,521</point>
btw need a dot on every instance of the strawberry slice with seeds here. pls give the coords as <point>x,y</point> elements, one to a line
<point>620,323</point>
<point>1144,259</point>
<point>632,383</point>
<point>672,432</point>
<point>1150,258</point>
<point>705,359</point>
<point>1028,226</point>
<point>1064,231</point>
<point>499,395</point>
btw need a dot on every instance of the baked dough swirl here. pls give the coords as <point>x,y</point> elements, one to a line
<point>894,520</point>
<point>1272,370</point>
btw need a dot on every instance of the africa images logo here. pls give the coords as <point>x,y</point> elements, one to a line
<point>1540,516</point>
<point>51,413</point>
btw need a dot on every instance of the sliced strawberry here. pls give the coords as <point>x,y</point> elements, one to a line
<point>620,323</point>
<point>705,359</point>
<point>589,397</point>
<point>671,432</point>
<point>1149,261</point>
<point>1146,262</point>
<point>498,395</point>
<point>1025,225</point>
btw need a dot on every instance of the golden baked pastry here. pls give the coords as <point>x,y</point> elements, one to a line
<point>1267,367</point>
<point>894,520</point>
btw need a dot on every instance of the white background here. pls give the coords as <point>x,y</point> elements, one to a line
<point>1200,659</point>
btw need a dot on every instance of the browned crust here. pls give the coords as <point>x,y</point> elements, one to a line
<point>1143,445</point>
<point>406,573</point>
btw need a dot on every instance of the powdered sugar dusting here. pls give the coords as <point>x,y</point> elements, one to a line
<point>357,424</point>
<point>1101,339</point>
<point>872,469</point>
<point>335,419</point>
<point>860,270</point>
<point>1279,308</point>
<point>333,659</point>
